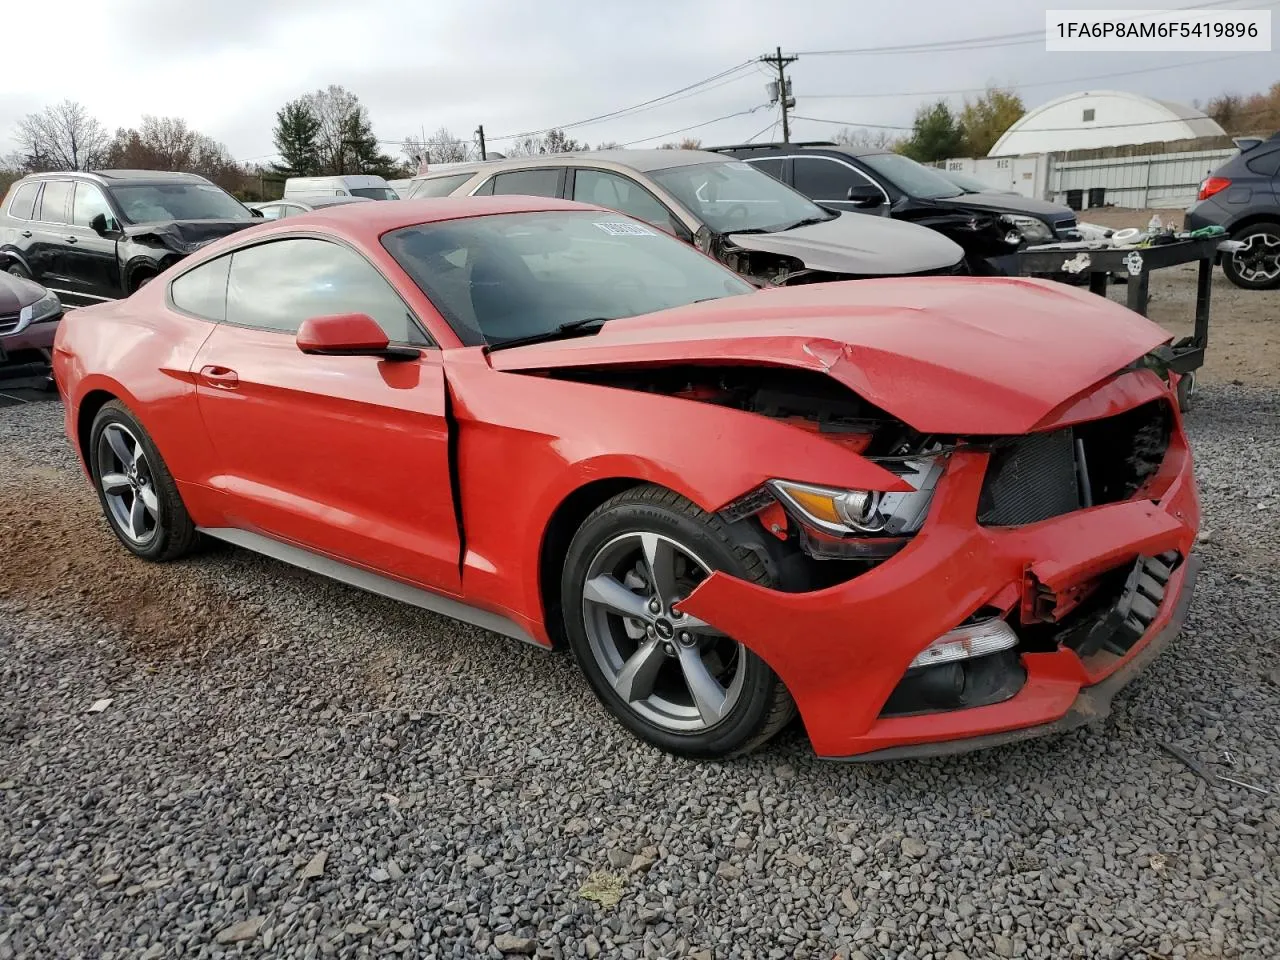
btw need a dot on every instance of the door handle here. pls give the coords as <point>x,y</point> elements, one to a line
<point>24,233</point>
<point>224,378</point>
<point>72,239</point>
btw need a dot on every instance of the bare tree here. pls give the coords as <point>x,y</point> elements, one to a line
<point>688,143</point>
<point>866,139</point>
<point>167,143</point>
<point>337,111</point>
<point>62,137</point>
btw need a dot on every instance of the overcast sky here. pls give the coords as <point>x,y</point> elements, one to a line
<point>227,66</point>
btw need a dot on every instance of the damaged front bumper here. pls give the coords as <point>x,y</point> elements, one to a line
<point>845,650</point>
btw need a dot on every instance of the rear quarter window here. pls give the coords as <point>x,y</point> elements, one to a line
<point>1266,164</point>
<point>202,292</point>
<point>23,200</point>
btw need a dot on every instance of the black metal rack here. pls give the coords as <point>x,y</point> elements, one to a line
<point>1135,265</point>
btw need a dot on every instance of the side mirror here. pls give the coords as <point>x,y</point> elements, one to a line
<point>257,213</point>
<point>865,196</point>
<point>101,225</point>
<point>349,335</point>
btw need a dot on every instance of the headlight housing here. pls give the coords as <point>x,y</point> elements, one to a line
<point>46,308</point>
<point>1029,228</point>
<point>865,512</point>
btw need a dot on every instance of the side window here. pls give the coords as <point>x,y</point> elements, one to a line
<point>531,183</point>
<point>277,285</point>
<point>619,193</point>
<point>485,189</point>
<point>271,211</point>
<point>1266,164</point>
<point>439,186</point>
<point>770,165</point>
<point>54,201</point>
<point>202,292</point>
<point>24,201</point>
<point>89,202</point>
<point>821,179</point>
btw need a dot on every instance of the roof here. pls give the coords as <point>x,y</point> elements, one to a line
<point>375,219</point>
<point>137,176</point>
<point>641,160</point>
<point>1141,119</point>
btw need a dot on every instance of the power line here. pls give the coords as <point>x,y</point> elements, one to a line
<point>771,126</point>
<point>705,123</point>
<point>1018,86</point>
<point>625,110</point>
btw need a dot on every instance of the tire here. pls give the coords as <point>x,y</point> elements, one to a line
<point>18,270</point>
<point>1186,391</point>
<point>136,479</point>
<point>1259,267</point>
<point>139,283</point>
<point>656,701</point>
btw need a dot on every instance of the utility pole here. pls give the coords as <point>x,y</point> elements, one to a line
<point>480,135</point>
<point>782,95</point>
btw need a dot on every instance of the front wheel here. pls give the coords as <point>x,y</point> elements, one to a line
<point>1256,265</point>
<point>671,679</point>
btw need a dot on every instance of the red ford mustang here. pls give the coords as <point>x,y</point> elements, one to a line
<point>931,515</point>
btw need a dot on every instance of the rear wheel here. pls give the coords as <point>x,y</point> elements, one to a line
<point>673,680</point>
<point>136,490</point>
<point>1256,265</point>
<point>18,270</point>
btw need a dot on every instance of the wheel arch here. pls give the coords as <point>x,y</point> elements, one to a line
<point>87,410</point>
<point>558,533</point>
<point>10,255</point>
<point>143,268</point>
<point>1253,219</point>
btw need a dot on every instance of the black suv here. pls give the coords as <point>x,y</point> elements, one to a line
<point>1243,197</point>
<point>989,226</point>
<point>99,236</point>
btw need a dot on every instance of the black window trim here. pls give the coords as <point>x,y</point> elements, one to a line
<point>559,168</point>
<point>823,156</point>
<point>301,235</point>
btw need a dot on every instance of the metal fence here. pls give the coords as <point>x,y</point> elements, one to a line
<point>1158,180</point>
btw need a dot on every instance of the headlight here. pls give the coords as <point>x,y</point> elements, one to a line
<point>846,512</point>
<point>1029,228</point>
<point>46,308</point>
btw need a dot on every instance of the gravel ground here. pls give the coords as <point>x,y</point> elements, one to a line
<point>288,767</point>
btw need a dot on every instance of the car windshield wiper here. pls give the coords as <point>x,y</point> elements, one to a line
<point>807,221</point>
<point>584,325</point>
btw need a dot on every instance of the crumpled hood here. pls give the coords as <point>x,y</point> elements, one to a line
<point>185,236</point>
<point>962,355</point>
<point>16,293</point>
<point>859,244</point>
<point>1007,203</point>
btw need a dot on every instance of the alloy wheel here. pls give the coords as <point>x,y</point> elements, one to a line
<point>672,669</point>
<point>1258,260</point>
<point>127,483</point>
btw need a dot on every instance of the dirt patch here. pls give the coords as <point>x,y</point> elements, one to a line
<point>1244,325</point>
<point>62,560</point>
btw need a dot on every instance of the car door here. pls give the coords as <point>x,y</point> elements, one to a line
<point>93,271</point>
<point>48,241</point>
<point>607,188</point>
<point>344,455</point>
<point>827,181</point>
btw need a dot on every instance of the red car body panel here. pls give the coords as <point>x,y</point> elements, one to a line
<point>350,456</point>
<point>944,354</point>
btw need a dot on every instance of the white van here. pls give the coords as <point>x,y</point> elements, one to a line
<point>306,188</point>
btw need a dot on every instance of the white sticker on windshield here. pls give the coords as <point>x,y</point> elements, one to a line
<point>620,228</point>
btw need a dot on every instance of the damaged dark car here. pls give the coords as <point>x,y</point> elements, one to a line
<point>99,236</point>
<point>762,229</point>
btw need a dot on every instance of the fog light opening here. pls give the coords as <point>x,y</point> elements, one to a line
<point>966,642</point>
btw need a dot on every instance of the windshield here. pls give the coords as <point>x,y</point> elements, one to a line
<point>375,193</point>
<point>732,196</point>
<point>157,202</point>
<point>913,179</point>
<point>516,275</point>
<point>967,183</point>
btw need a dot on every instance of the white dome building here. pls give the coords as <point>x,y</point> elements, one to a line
<point>1106,118</point>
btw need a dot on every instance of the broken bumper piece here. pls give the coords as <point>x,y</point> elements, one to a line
<point>1093,594</point>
